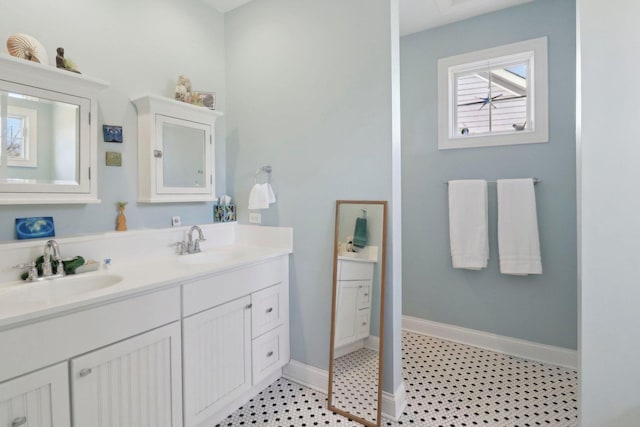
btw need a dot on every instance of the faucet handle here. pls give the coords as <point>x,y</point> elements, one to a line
<point>33,271</point>
<point>181,247</point>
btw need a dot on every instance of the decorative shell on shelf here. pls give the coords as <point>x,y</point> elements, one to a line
<point>26,47</point>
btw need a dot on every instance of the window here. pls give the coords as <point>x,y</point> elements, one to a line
<point>21,138</point>
<point>496,96</point>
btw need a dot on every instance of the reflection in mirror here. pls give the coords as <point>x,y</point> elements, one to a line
<point>355,367</point>
<point>41,140</point>
<point>184,155</point>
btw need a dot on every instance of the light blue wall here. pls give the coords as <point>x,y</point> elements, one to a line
<point>309,89</point>
<point>140,47</point>
<point>535,308</point>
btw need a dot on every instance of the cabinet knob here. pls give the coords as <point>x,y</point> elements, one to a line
<point>85,372</point>
<point>269,310</point>
<point>19,421</point>
<point>364,323</point>
<point>157,154</point>
<point>270,354</point>
<point>367,294</point>
<point>248,306</point>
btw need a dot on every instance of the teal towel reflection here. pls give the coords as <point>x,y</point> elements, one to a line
<point>360,233</point>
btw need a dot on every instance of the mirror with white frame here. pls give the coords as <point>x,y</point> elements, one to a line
<point>355,365</point>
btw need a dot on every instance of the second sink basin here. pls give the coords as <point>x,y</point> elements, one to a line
<point>211,257</point>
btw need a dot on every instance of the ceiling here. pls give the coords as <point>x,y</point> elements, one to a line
<point>417,15</point>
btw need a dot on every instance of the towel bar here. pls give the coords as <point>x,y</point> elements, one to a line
<point>535,181</point>
<point>264,169</point>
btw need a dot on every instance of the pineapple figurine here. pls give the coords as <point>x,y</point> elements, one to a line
<point>121,220</point>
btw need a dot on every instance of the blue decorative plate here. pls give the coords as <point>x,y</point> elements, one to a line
<point>35,228</point>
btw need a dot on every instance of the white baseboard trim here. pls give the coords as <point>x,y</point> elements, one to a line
<point>558,356</point>
<point>372,343</point>
<point>318,379</point>
<point>393,404</point>
<point>307,375</point>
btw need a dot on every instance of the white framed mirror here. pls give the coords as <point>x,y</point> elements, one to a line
<point>357,311</point>
<point>48,138</point>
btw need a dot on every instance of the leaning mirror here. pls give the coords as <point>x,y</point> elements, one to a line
<point>355,367</point>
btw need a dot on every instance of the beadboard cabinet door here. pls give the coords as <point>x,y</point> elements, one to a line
<point>39,399</point>
<point>133,383</point>
<point>217,356</point>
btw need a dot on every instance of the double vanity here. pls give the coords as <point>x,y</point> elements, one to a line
<point>156,339</point>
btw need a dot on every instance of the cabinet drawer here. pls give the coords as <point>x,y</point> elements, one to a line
<point>364,296</point>
<point>354,270</point>
<point>363,325</point>
<point>269,309</point>
<point>215,290</point>
<point>40,399</point>
<point>270,352</point>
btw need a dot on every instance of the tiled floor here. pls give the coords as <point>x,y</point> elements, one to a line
<point>355,383</point>
<point>448,384</point>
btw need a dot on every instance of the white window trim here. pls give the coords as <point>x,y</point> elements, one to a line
<point>539,90</point>
<point>31,139</point>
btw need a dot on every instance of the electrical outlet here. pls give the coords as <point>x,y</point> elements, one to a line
<point>255,218</point>
<point>175,221</point>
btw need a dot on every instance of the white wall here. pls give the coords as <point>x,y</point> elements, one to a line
<point>609,153</point>
<point>140,47</point>
<point>309,88</point>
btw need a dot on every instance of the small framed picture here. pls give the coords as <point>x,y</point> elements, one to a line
<point>35,227</point>
<point>204,99</point>
<point>112,133</point>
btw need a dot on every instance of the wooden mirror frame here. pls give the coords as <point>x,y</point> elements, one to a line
<point>330,405</point>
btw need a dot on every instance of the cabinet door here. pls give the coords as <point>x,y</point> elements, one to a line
<point>217,354</point>
<point>40,399</point>
<point>184,162</point>
<point>134,383</point>
<point>346,313</point>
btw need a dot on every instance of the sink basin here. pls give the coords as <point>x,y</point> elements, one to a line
<point>211,257</point>
<point>55,291</point>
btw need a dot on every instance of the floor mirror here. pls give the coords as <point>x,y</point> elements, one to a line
<point>357,311</point>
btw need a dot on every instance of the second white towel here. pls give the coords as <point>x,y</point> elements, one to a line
<point>468,223</point>
<point>518,240</point>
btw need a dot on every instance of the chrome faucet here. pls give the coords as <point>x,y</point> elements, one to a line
<point>50,246</point>
<point>193,246</point>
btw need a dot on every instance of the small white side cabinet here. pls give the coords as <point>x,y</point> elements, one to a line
<point>175,151</point>
<point>133,383</point>
<point>39,399</point>
<point>236,338</point>
<point>353,306</point>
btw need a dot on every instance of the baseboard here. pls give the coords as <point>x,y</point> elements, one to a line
<point>558,356</point>
<point>318,379</point>
<point>307,375</point>
<point>372,343</point>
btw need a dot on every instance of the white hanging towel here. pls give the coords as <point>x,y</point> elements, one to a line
<point>271,195</point>
<point>259,196</point>
<point>468,224</point>
<point>518,240</point>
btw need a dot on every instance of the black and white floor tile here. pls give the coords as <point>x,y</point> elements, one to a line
<point>355,383</point>
<point>448,385</point>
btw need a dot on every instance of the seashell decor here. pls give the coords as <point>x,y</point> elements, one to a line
<point>26,47</point>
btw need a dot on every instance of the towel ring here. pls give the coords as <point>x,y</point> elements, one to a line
<point>266,170</point>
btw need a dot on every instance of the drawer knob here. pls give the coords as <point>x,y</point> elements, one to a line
<point>269,310</point>
<point>364,323</point>
<point>270,354</point>
<point>366,295</point>
<point>85,372</point>
<point>19,421</point>
<point>248,306</point>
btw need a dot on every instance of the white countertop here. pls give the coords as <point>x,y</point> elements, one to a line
<point>24,301</point>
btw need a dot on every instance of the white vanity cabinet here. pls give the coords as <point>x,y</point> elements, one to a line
<point>236,338</point>
<point>39,399</point>
<point>175,151</point>
<point>133,383</point>
<point>353,306</point>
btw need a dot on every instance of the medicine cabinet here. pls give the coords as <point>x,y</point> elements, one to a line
<point>175,151</point>
<point>48,134</point>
